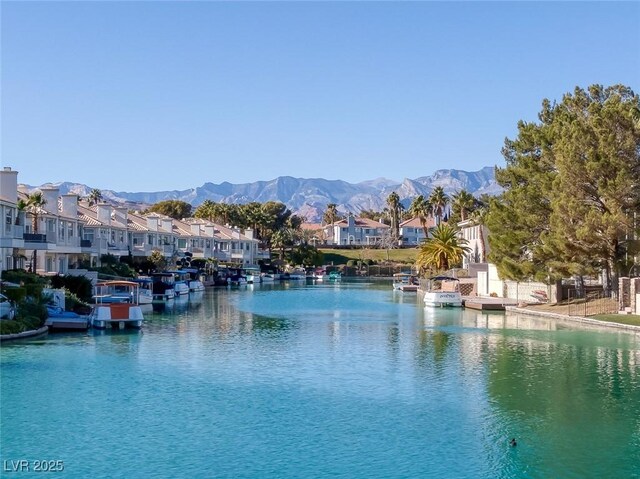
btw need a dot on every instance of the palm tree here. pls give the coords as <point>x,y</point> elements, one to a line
<point>438,200</point>
<point>33,205</point>
<point>95,197</point>
<point>477,218</point>
<point>463,203</point>
<point>331,214</point>
<point>422,209</point>
<point>443,250</point>
<point>395,209</point>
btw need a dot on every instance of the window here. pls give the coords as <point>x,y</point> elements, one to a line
<point>70,229</point>
<point>150,239</point>
<point>9,220</point>
<point>61,228</point>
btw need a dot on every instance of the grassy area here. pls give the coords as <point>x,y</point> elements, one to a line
<point>341,256</point>
<point>632,319</point>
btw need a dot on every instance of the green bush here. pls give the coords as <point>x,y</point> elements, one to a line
<point>32,308</point>
<point>31,322</point>
<point>73,303</point>
<point>15,294</point>
<point>80,286</point>
<point>20,276</point>
<point>34,290</point>
<point>10,327</point>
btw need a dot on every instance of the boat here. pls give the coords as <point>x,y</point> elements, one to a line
<point>163,286</point>
<point>253,275</point>
<point>267,277</point>
<point>116,306</point>
<point>297,274</point>
<point>235,277</point>
<point>180,284</point>
<point>318,274</point>
<point>335,276</point>
<point>443,291</point>
<point>405,282</point>
<point>145,290</point>
<point>192,278</point>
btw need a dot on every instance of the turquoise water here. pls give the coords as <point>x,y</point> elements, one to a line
<point>349,380</point>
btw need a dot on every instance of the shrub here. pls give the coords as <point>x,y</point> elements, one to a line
<point>28,308</point>
<point>32,322</point>
<point>80,286</point>
<point>10,327</point>
<point>15,294</point>
<point>34,290</point>
<point>351,263</point>
<point>73,303</point>
<point>20,276</point>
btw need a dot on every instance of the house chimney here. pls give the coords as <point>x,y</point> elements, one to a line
<point>104,213</point>
<point>248,233</point>
<point>167,224</point>
<point>209,230</point>
<point>69,204</point>
<point>121,214</point>
<point>9,185</point>
<point>152,223</point>
<point>195,228</point>
<point>50,194</point>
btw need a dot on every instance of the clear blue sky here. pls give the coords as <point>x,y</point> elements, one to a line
<point>140,96</point>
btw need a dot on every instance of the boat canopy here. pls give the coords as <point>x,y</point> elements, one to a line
<point>443,278</point>
<point>117,283</point>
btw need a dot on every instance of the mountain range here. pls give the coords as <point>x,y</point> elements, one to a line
<point>305,196</point>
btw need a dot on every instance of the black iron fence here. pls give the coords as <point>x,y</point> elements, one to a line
<point>593,303</point>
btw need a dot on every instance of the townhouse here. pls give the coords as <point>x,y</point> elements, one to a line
<point>71,233</point>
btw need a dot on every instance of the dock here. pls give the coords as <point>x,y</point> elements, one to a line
<point>79,323</point>
<point>487,303</point>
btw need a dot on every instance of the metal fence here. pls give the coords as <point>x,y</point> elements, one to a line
<point>594,302</point>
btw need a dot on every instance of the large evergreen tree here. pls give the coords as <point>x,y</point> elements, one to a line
<point>572,183</point>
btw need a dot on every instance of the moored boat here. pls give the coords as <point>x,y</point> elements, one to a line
<point>116,306</point>
<point>405,282</point>
<point>443,291</point>
<point>163,286</point>
<point>335,276</point>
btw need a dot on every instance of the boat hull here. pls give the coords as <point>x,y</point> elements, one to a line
<point>442,299</point>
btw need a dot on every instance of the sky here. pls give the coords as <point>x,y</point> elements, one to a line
<point>150,96</point>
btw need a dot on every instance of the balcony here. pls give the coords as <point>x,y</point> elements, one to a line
<point>85,243</point>
<point>34,238</point>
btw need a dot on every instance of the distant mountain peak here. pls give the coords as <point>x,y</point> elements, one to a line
<point>307,196</point>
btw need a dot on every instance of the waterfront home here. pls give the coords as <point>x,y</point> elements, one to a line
<point>56,246</point>
<point>355,231</point>
<point>11,222</point>
<point>477,237</point>
<point>412,231</point>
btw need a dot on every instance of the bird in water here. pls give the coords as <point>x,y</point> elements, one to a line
<point>513,442</point>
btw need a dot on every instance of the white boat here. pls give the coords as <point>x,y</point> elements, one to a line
<point>405,282</point>
<point>267,277</point>
<point>145,290</point>
<point>443,291</point>
<point>180,285</point>
<point>163,284</point>
<point>116,306</point>
<point>193,280</point>
<point>253,275</point>
<point>297,274</point>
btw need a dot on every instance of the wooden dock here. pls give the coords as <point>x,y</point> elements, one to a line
<point>487,304</point>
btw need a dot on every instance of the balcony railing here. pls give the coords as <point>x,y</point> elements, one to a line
<point>85,243</point>
<point>35,238</point>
